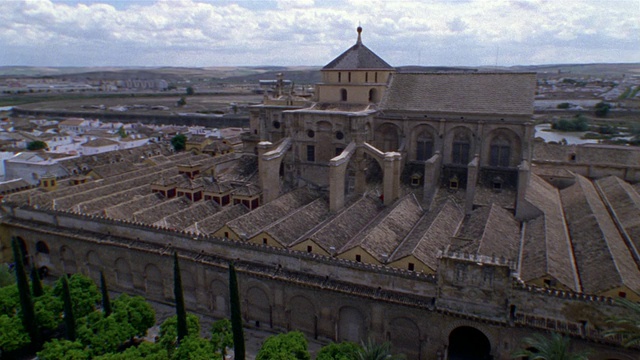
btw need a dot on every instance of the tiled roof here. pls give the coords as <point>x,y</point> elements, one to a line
<point>125,210</point>
<point>603,259</point>
<point>250,224</point>
<point>291,227</point>
<point>464,93</point>
<point>215,222</point>
<point>624,202</point>
<point>381,238</point>
<point>358,57</point>
<point>187,217</point>
<point>432,233</point>
<point>152,214</point>
<point>338,230</point>
<point>547,246</point>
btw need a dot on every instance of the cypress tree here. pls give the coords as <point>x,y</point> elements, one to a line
<point>36,284</point>
<point>27,312</point>
<point>236,317</point>
<point>69,319</point>
<point>181,313</point>
<point>106,303</point>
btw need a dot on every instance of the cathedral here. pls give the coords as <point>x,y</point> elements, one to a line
<point>410,207</point>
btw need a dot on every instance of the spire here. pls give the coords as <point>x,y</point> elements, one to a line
<point>359,35</point>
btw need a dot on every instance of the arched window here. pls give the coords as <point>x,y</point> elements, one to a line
<point>460,149</point>
<point>343,94</point>
<point>500,152</point>
<point>373,95</point>
<point>41,247</point>
<point>424,146</point>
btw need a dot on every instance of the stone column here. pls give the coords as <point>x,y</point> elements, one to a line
<point>523,183</point>
<point>269,173</point>
<point>391,182</point>
<point>472,180</point>
<point>431,176</point>
<point>336,185</point>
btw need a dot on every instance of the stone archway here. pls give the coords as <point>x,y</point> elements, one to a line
<point>404,336</point>
<point>468,343</point>
<point>93,265</point>
<point>302,315</point>
<point>153,282</point>
<point>258,307</point>
<point>387,137</point>
<point>124,278</point>
<point>68,260</point>
<point>219,295</point>
<point>351,325</point>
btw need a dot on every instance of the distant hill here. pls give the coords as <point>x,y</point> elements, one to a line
<point>297,74</point>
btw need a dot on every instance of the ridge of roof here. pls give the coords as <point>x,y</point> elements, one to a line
<point>358,57</point>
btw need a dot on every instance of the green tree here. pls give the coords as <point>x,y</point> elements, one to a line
<point>181,102</point>
<point>6,277</point>
<point>236,315</point>
<point>195,348</point>
<point>122,133</point>
<point>37,145</point>
<point>49,310</point>
<point>27,312</point>
<point>540,347</point>
<point>101,334</point>
<point>13,336</point>
<point>106,302</point>
<point>146,351</point>
<point>602,109</point>
<point>135,311</point>
<point>9,299</point>
<point>290,346</point>
<point>84,294</point>
<point>372,350</point>
<point>222,336</point>
<point>627,326</point>
<point>339,351</point>
<point>181,312</point>
<point>179,142</point>
<point>190,90</point>
<point>36,284</point>
<point>57,349</point>
<point>69,319</point>
<point>169,331</point>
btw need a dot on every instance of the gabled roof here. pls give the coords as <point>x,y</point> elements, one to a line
<point>432,233</point>
<point>383,236</point>
<point>358,57</point>
<point>547,246</point>
<point>461,93</point>
<point>603,258</point>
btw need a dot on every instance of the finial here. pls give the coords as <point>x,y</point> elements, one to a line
<point>359,34</point>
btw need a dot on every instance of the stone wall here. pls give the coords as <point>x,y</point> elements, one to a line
<point>327,298</point>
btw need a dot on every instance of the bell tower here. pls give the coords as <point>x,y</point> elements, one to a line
<point>357,76</point>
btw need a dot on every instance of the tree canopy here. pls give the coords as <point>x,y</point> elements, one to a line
<point>179,142</point>
<point>628,326</point>
<point>339,351</point>
<point>290,346</point>
<point>37,145</point>
<point>540,347</point>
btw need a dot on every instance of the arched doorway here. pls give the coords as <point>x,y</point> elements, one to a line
<point>467,343</point>
<point>351,325</point>
<point>303,315</point>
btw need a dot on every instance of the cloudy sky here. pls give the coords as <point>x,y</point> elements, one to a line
<point>203,33</point>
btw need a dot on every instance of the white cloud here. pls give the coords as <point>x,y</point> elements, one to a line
<point>220,32</point>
